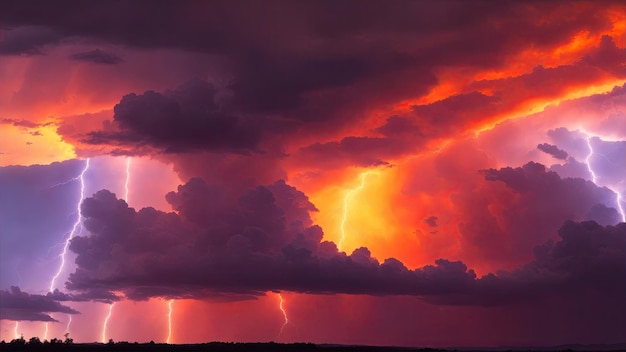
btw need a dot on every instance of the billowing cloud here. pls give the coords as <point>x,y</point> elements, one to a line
<point>17,305</point>
<point>214,248</point>
<point>587,256</point>
<point>357,64</point>
<point>188,118</point>
<point>497,227</point>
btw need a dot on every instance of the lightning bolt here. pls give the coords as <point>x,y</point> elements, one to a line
<point>106,323</point>
<point>170,306</point>
<point>594,177</point>
<point>170,303</point>
<point>285,317</point>
<point>81,178</point>
<point>15,333</point>
<point>127,179</point>
<point>346,206</point>
<point>69,322</point>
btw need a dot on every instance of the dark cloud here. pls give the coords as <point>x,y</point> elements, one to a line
<point>17,305</point>
<point>262,242</point>
<point>217,25</point>
<point>290,78</point>
<point>608,57</point>
<point>27,40</point>
<point>431,221</point>
<point>502,214</point>
<point>457,108</point>
<point>546,192</point>
<point>552,150</point>
<point>353,151</point>
<point>587,257</point>
<point>248,251</point>
<point>185,119</point>
<point>327,71</point>
<point>442,118</point>
<point>97,56</point>
<point>603,215</point>
<point>572,168</point>
<point>533,204</point>
<point>532,178</point>
<point>398,126</point>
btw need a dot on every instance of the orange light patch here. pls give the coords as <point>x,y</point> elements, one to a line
<point>42,145</point>
<point>537,105</point>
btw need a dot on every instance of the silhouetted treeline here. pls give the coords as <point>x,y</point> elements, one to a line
<point>35,344</point>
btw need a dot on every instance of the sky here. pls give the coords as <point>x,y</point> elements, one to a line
<point>408,173</point>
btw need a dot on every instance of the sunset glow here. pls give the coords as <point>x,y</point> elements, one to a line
<point>409,173</point>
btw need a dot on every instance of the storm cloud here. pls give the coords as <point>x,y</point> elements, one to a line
<point>245,249</point>
<point>185,119</point>
<point>18,305</point>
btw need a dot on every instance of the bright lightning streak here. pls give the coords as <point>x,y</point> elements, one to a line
<point>170,307</point>
<point>594,178</point>
<point>588,160</point>
<point>15,333</point>
<point>106,323</point>
<point>619,201</point>
<point>285,317</point>
<point>81,177</point>
<point>346,201</point>
<point>126,192</point>
<point>69,322</point>
<point>127,180</point>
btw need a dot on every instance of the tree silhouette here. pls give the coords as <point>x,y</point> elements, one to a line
<point>55,341</point>
<point>18,342</point>
<point>68,340</point>
<point>35,341</point>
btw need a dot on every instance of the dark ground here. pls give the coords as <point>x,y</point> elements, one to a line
<point>17,345</point>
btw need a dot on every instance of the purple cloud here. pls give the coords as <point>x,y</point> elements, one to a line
<point>18,305</point>
<point>219,247</point>
<point>552,150</point>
